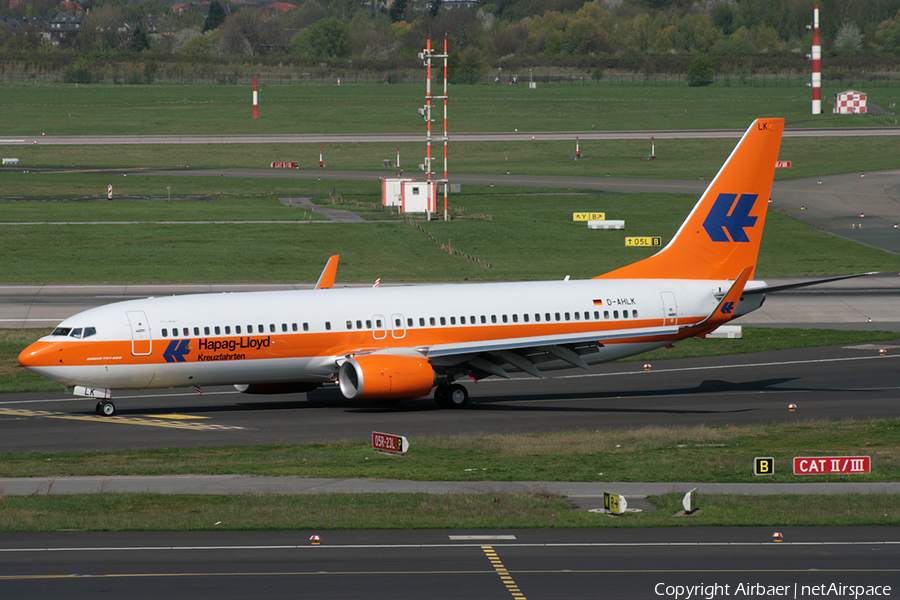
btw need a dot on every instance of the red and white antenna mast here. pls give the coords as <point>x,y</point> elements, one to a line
<point>816,66</point>
<point>426,56</point>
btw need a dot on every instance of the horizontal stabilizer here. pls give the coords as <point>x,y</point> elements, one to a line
<point>798,284</point>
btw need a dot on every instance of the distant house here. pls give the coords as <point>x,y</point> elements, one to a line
<point>64,27</point>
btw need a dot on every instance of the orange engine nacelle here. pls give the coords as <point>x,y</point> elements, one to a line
<point>385,377</point>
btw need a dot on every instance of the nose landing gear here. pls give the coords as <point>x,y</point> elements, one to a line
<point>105,408</point>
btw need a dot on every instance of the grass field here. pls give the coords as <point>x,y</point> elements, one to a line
<point>295,250</point>
<point>676,159</point>
<point>323,512</point>
<point>696,454</point>
<point>157,109</point>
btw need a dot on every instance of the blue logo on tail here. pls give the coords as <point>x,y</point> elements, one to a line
<point>176,350</point>
<point>718,221</point>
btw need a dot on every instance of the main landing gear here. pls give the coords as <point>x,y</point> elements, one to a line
<point>105,408</point>
<point>449,395</point>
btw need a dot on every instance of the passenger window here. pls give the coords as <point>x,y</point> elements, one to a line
<point>261,328</point>
<point>537,317</point>
<point>546,316</point>
<point>284,327</point>
<point>615,314</point>
<point>349,324</point>
<point>217,330</point>
<point>634,314</point>
<point>272,327</point>
<point>206,331</point>
<point>483,319</point>
<point>472,319</point>
<point>505,318</point>
<point>359,324</point>
<point>431,321</point>
<point>525,317</point>
<point>294,327</point>
<point>378,323</point>
<point>368,323</point>
<point>596,315</point>
<point>624,314</point>
<point>462,320</point>
<point>228,330</point>
<point>328,325</point>
<point>605,314</point>
<point>165,332</point>
<point>421,321</point>
<point>443,320</point>
<point>557,316</point>
<point>567,316</point>
<point>576,316</point>
<point>398,323</point>
<point>453,320</point>
<point>409,322</point>
<point>185,332</point>
<point>515,318</point>
<point>493,318</point>
<point>237,328</point>
<point>306,327</point>
<point>197,331</point>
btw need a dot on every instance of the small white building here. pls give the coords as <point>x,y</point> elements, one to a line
<point>849,102</point>
<point>418,197</point>
<point>392,190</point>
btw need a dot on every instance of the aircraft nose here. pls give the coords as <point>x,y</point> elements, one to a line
<point>39,354</point>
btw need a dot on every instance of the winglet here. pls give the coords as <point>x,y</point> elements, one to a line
<point>326,279</point>
<point>724,311</point>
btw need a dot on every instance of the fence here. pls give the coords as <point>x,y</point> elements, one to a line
<point>610,79</point>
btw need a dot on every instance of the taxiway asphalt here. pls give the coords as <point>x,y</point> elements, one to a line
<point>714,563</point>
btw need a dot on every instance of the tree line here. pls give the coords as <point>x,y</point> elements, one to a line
<point>649,35</point>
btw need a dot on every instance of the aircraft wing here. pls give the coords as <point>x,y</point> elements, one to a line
<point>490,356</point>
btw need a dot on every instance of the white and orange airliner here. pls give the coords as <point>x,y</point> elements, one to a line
<point>389,343</point>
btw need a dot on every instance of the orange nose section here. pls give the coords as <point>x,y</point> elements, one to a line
<point>40,354</point>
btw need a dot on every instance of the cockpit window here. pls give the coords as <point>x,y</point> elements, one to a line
<point>75,332</point>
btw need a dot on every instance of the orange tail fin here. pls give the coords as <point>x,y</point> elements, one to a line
<point>721,236</point>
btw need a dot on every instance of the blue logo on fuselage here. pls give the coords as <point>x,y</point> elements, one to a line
<point>176,350</point>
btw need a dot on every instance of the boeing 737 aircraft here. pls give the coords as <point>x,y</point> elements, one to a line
<point>390,343</point>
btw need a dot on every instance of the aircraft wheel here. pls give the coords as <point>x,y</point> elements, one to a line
<point>441,395</point>
<point>106,408</point>
<point>457,396</point>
